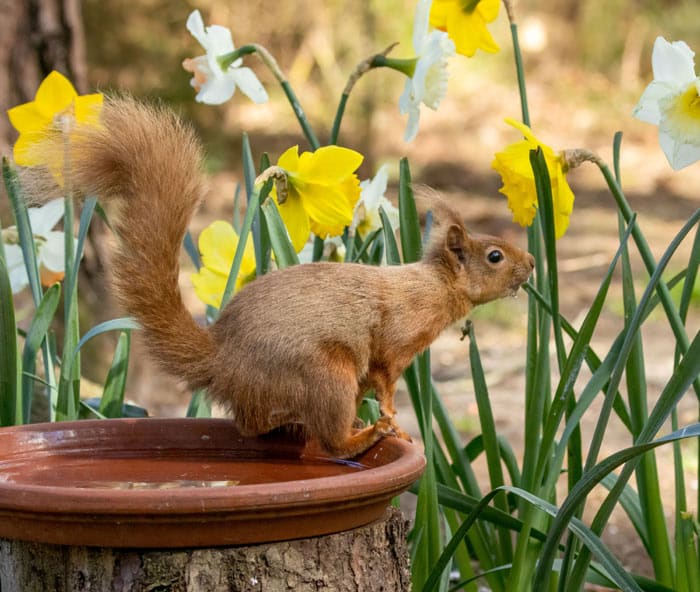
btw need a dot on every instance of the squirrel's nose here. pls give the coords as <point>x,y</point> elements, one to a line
<point>531,260</point>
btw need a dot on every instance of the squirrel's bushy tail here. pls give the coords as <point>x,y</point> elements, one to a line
<point>147,161</point>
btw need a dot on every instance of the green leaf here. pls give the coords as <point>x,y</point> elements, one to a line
<point>65,387</point>
<point>251,212</point>
<point>112,401</point>
<point>24,229</point>
<point>366,244</point>
<point>409,228</point>
<point>392,250</point>
<point>36,335</point>
<point>9,362</point>
<point>199,406</point>
<point>285,255</point>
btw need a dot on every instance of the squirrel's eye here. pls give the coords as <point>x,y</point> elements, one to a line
<point>495,256</point>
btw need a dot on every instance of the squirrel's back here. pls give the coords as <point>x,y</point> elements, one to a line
<point>146,161</point>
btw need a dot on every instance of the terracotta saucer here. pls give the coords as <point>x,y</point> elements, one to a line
<point>177,483</point>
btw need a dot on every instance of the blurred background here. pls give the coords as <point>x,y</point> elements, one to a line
<point>587,62</point>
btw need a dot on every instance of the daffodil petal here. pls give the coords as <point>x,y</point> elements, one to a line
<point>28,118</point>
<point>249,84</point>
<point>488,9</point>
<point>438,13</point>
<point>88,108</point>
<point>52,254</point>
<point>296,220</point>
<point>673,62</point>
<point>329,164</point>
<point>195,25</point>
<point>24,151</point>
<point>16,269</point>
<point>289,160</point>
<point>420,24</point>
<point>216,91</point>
<point>648,107</point>
<point>679,155</point>
<point>43,219</point>
<point>328,209</point>
<point>54,95</point>
<point>209,286</point>
<point>217,245</point>
<point>563,199</point>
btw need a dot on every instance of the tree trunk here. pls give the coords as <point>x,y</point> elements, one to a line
<point>369,558</point>
<point>37,36</point>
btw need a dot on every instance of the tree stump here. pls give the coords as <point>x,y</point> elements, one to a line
<point>369,558</point>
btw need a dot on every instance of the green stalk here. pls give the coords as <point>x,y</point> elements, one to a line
<point>520,71</point>
<point>362,68</point>
<point>226,60</point>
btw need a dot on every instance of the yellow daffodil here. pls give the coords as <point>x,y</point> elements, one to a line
<point>322,190</point>
<point>56,105</point>
<point>217,245</point>
<point>513,164</point>
<point>465,22</point>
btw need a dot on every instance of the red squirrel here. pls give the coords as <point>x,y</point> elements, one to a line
<point>298,346</point>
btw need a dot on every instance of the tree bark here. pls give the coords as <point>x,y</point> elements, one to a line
<point>369,558</point>
<point>37,36</point>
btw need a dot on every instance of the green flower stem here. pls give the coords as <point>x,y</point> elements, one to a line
<point>228,59</point>
<point>375,61</point>
<point>520,71</point>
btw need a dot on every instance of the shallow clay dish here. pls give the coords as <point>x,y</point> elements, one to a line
<point>177,483</point>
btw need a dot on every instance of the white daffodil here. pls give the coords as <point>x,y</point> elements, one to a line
<point>48,245</point>
<point>215,85</point>
<point>428,85</point>
<point>372,197</point>
<point>672,102</point>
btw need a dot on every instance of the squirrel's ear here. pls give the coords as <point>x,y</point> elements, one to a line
<point>455,242</point>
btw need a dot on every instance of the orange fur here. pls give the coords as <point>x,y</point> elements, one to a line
<point>297,346</point>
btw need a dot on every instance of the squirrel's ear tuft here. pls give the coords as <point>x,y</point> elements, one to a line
<point>455,240</point>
